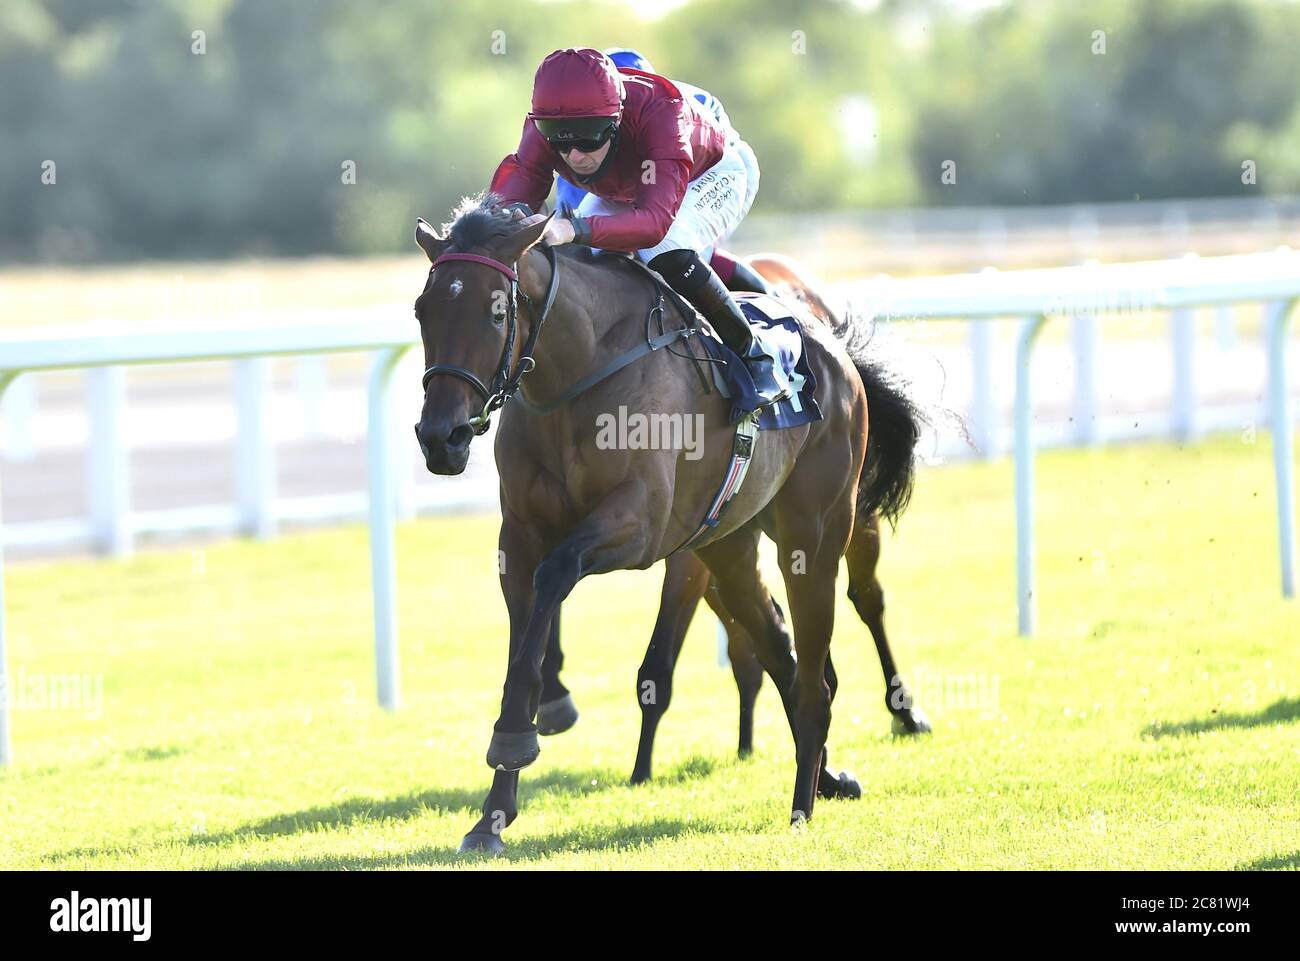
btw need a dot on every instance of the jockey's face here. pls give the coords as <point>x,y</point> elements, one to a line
<point>586,163</point>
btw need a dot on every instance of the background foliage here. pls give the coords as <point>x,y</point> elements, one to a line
<point>164,153</point>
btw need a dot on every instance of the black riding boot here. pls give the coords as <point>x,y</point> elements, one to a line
<point>698,283</point>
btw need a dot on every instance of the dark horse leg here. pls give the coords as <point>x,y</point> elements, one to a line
<point>685,581</point>
<point>817,543</point>
<point>744,599</point>
<point>869,600</point>
<point>745,667</point>
<point>557,712</point>
<point>748,673</point>
<point>500,808</point>
<point>612,537</point>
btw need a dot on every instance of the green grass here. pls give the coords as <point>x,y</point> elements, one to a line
<point>1154,722</point>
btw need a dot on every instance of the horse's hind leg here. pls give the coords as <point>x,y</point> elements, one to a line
<point>869,601</point>
<point>745,667</point>
<point>844,784</point>
<point>557,712</point>
<point>685,579</point>
<point>743,597</point>
<point>812,609</point>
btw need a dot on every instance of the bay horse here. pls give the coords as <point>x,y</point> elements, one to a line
<point>687,582</point>
<point>571,509</point>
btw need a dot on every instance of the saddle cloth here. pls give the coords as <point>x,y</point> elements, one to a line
<point>782,337</point>
<point>774,326</point>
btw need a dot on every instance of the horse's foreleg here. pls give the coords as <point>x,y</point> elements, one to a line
<point>612,537</point>
<point>685,579</point>
<point>519,551</point>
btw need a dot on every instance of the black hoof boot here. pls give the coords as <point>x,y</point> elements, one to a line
<point>849,788</point>
<point>843,785</point>
<point>512,752</point>
<point>556,717</point>
<point>477,842</point>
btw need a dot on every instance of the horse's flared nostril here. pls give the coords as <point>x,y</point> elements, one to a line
<point>459,438</point>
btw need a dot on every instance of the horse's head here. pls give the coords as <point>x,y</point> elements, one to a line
<point>469,325</point>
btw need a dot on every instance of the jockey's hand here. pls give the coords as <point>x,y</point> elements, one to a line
<point>559,231</point>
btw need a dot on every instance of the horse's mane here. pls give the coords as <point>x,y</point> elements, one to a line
<point>477,221</point>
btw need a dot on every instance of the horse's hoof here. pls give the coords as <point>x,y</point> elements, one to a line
<point>510,751</point>
<point>848,787</point>
<point>477,842</point>
<point>798,821</point>
<point>842,785</point>
<point>556,717</point>
<point>910,721</point>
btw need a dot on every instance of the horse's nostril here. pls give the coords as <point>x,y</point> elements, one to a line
<point>461,436</point>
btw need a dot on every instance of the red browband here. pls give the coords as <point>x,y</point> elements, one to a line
<point>477,259</point>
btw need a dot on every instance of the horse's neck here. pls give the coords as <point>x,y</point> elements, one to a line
<point>584,327</point>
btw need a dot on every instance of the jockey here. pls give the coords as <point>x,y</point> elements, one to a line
<point>736,274</point>
<point>665,181</point>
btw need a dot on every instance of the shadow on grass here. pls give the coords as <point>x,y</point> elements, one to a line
<point>585,839</point>
<point>343,814</point>
<point>159,753</point>
<point>1282,862</point>
<point>1280,712</point>
<point>135,755</point>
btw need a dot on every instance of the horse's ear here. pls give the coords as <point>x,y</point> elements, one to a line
<point>513,247</point>
<point>429,241</point>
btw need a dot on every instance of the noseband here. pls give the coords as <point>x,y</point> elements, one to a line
<point>504,383</point>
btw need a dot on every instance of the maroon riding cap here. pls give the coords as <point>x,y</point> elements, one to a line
<point>577,83</point>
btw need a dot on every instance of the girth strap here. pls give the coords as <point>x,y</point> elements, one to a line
<point>742,452</point>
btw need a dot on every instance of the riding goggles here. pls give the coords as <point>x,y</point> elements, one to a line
<point>587,134</point>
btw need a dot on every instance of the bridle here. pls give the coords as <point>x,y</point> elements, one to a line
<point>504,383</point>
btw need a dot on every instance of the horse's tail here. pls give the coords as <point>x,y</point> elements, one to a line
<point>894,429</point>
<point>895,419</point>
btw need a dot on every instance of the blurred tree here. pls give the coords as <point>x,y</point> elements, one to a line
<point>323,125</point>
<point>1032,108</point>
